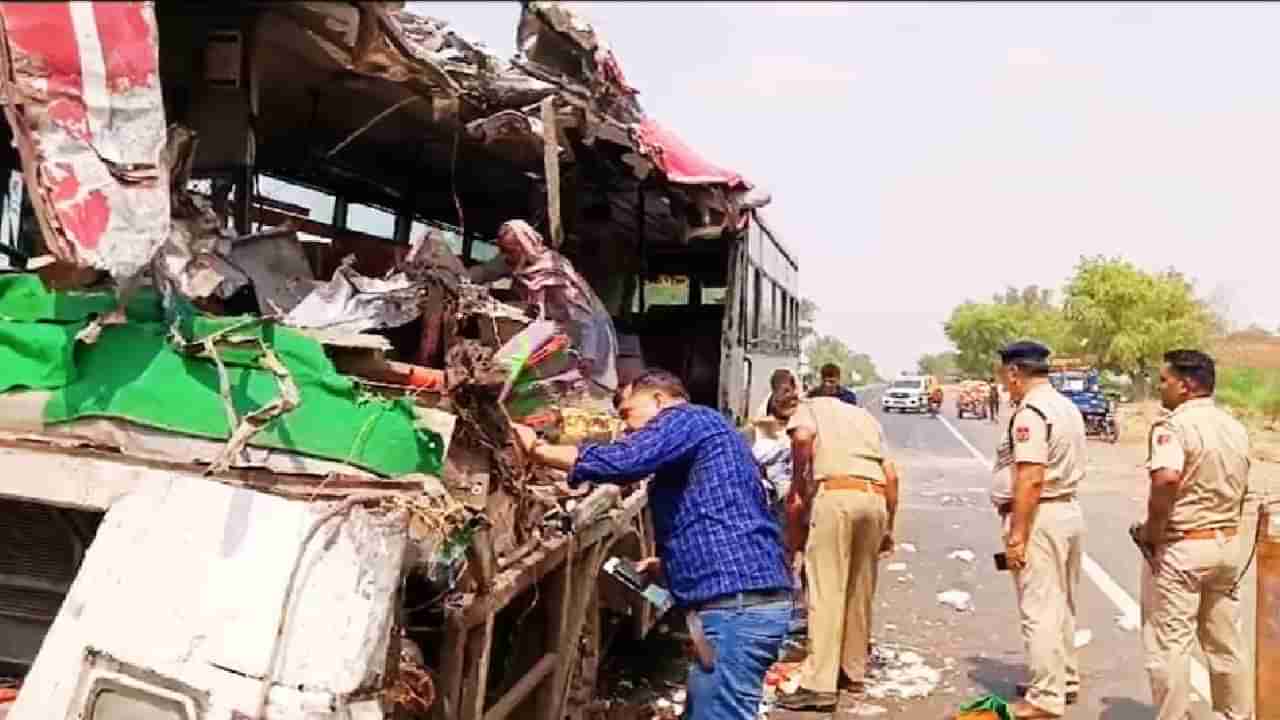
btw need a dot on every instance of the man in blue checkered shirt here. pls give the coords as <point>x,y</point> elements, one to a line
<point>719,547</point>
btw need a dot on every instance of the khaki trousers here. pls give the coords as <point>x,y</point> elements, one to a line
<point>840,562</point>
<point>1046,590</point>
<point>1186,598</point>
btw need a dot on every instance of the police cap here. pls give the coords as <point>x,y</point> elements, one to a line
<point>1025,351</point>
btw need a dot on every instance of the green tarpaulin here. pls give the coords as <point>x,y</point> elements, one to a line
<point>134,372</point>
<point>987,706</point>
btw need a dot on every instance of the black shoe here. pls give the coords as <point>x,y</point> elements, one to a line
<point>803,699</point>
<point>1072,695</point>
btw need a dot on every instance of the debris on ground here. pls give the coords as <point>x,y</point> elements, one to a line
<point>1083,638</point>
<point>957,600</point>
<point>896,567</point>
<point>907,547</point>
<point>901,673</point>
<point>962,556</point>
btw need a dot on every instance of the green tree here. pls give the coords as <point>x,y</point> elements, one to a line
<point>1128,318</point>
<point>940,364</point>
<point>979,330</point>
<point>830,349</point>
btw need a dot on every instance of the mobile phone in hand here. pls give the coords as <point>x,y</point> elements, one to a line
<point>1002,562</point>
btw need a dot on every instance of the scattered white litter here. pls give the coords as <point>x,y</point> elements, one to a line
<point>1083,637</point>
<point>1127,622</point>
<point>957,600</point>
<point>963,556</point>
<point>679,696</point>
<point>906,547</point>
<point>896,567</point>
<point>890,627</point>
<point>977,491</point>
<point>905,578</point>
<point>867,710</point>
<point>899,673</point>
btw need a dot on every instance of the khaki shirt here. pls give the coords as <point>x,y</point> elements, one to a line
<point>849,441</point>
<point>1210,450</point>
<point>1056,441</point>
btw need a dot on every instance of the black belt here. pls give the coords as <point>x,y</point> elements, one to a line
<point>743,599</point>
<point>1006,508</point>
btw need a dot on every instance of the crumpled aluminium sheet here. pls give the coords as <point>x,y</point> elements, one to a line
<point>353,303</point>
<point>89,123</point>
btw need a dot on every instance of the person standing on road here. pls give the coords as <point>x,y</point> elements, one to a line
<point>1199,467</point>
<point>769,443</point>
<point>831,386</point>
<point>719,547</point>
<point>1039,465</point>
<point>841,511</point>
<point>993,400</point>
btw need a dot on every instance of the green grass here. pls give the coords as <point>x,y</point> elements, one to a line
<point>1252,390</point>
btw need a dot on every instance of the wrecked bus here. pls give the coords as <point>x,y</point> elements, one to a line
<point>214,504</point>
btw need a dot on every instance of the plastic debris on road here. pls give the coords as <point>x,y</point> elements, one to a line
<point>1083,637</point>
<point>963,556</point>
<point>896,567</point>
<point>899,673</point>
<point>958,600</point>
<point>906,547</point>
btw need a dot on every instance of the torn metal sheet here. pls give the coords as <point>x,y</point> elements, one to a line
<point>556,43</point>
<point>88,119</point>
<point>278,269</point>
<point>366,38</point>
<point>192,260</point>
<point>353,303</point>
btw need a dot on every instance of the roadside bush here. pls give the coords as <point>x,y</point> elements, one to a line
<point>1251,390</point>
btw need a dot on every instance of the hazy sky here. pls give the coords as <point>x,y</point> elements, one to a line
<point>922,154</point>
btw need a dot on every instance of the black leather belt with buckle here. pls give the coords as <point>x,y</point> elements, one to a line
<point>744,599</point>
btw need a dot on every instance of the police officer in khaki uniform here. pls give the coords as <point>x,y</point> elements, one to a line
<point>1039,466</point>
<point>1199,465</point>
<point>842,505</point>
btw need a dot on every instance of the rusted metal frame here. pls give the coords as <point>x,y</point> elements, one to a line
<point>585,571</point>
<point>453,664</point>
<point>529,682</point>
<point>471,625</point>
<point>558,616</point>
<point>529,570</point>
<point>479,645</point>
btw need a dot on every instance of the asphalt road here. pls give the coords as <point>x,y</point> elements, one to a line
<point>945,508</point>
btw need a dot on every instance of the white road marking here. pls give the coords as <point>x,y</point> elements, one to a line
<point>1123,601</point>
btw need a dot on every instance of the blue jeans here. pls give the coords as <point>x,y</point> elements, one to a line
<point>747,641</point>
